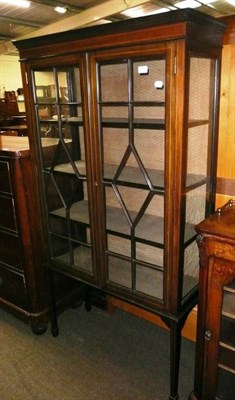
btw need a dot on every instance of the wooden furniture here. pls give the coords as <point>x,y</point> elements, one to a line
<point>3,109</point>
<point>22,278</point>
<point>22,130</point>
<point>9,132</point>
<point>215,346</point>
<point>125,142</point>
<point>11,103</point>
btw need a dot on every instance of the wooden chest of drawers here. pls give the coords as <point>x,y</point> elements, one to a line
<point>22,278</point>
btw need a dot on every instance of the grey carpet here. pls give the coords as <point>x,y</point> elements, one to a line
<point>96,356</point>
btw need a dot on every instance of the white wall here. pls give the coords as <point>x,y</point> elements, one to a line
<point>10,74</point>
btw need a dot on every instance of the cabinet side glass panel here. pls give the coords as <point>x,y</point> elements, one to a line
<point>200,126</point>
<point>59,114</point>
<point>226,365</point>
<point>131,103</point>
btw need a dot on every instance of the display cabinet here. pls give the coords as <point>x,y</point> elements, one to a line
<point>123,123</point>
<point>215,348</point>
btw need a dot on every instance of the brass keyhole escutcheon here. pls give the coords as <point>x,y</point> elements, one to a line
<point>208,335</point>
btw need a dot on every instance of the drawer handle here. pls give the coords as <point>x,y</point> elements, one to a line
<point>1,281</point>
<point>208,335</point>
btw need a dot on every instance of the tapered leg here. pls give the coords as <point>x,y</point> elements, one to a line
<point>175,347</point>
<point>52,305</point>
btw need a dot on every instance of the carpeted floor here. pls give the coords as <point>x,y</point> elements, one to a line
<point>96,356</point>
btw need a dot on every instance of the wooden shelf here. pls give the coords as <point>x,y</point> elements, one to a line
<point>133,175</point>
<point>149,227</point>
<point>149,123</point>
<point>67,168</point>
<point>66,120</point>
<point>197,122</point>
<point>78,212</point>
<point>130,175</point>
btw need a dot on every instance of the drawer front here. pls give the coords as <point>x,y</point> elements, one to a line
<point>10,250</point>
<point>12,288</point>
<point>7,213</point>
<point>5,177</point>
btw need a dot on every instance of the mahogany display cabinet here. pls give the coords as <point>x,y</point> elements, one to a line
<point>123,129</point>
<point>215,347</point>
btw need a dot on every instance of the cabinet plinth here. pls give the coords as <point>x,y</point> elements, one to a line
<point>123,131</point>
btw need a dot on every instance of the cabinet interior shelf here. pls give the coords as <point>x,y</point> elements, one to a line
<point>149,227</point>
<point>148,123</point>
<point>67,168</point>
<point>67,120</point>
<point>130,175</point>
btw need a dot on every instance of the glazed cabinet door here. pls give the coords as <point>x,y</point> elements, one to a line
<point>63,139</point>
<point>219,341</point>
<point>225,388</point>
<point>133,106</point>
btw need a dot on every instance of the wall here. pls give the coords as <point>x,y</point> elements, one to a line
<point>10,75</point>
<point>226,146</point>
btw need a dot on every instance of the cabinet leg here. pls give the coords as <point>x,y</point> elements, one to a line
<point>175,347</point>
<point>52,305</point>
<point>88,302</point>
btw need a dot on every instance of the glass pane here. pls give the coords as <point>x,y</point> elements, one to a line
<point>200,118</point>
<point>149,80</point>
<point>191,268</point>
<point>119,271</point>
<point>45,86</point>
<point>149,254</point>
<point>114,82</point>
<point>149,281</point>
<point>200,125</point>
<point>119,245</point>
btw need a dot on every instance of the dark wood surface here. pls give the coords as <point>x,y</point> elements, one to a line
<point>23,289</point>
